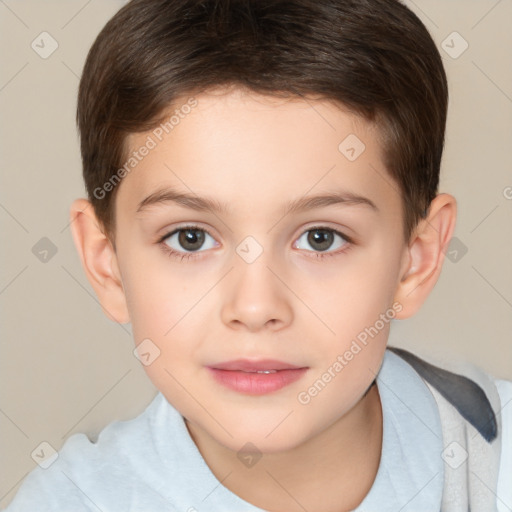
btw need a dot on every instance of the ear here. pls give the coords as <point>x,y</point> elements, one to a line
<point>425,255</point>
<point>99,260</point>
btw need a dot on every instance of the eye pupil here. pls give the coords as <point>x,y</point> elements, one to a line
<point>191,239</point>
<point>322,237</point>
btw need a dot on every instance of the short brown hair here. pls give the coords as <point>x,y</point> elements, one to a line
<point>374,57</point>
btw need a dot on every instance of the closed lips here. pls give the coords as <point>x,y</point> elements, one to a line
<point>256,377</point>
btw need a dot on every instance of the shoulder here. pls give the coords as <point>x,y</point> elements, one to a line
<point>462,386</point>
<point>482,400</point>
<point>90,475</point>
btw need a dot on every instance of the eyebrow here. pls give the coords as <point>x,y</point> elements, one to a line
<point>197,203</point>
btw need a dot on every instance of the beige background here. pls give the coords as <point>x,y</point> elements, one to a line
<point>65,368</point>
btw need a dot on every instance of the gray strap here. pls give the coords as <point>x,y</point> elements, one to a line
<point>464,394</point>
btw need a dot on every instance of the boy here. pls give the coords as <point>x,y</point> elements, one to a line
<point>262,181</point>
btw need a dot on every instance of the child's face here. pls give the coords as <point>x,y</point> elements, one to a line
<point>293,303</point>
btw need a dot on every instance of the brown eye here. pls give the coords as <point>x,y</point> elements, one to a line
<point>320,240</point>
<point>189,239</point>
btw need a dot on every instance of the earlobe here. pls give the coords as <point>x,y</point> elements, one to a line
<point>99,260</point>
<point>423,261</point>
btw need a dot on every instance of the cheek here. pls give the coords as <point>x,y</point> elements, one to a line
<point>356,294</point>
<point>168,307</point>
<point>163,308</point>
<point>359,309</point>
<point>158,295</point>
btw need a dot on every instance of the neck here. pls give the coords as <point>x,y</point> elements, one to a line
<point>331,472</point>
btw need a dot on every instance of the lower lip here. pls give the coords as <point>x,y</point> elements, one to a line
<point>257,383</point>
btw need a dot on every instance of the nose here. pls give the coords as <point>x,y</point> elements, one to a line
<point>254,298</point>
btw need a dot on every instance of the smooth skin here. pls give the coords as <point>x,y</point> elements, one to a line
<point>254,155</point>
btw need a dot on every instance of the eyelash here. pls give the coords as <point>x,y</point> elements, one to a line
<point>192,254</point>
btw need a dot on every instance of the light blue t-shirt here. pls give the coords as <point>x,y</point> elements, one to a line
<point>151,463</point>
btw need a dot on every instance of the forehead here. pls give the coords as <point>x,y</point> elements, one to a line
<point>264,148</point>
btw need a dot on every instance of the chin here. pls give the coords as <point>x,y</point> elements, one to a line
<point>277,438</point>
<point>246,442</point>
